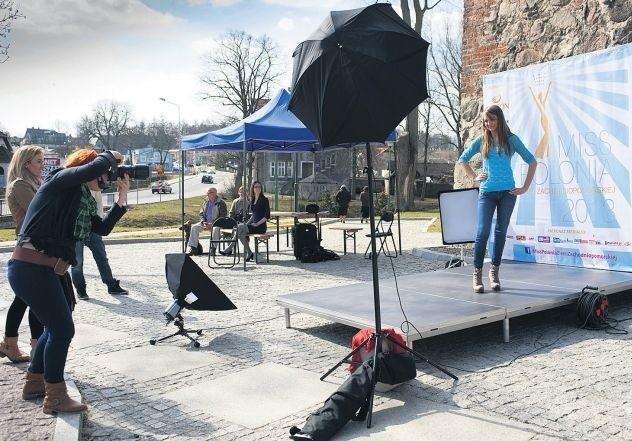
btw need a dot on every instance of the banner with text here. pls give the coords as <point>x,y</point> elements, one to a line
<point>575,116</point>
<point>50,164</point>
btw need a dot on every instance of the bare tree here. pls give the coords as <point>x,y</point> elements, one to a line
<point>241,71</point>
<point>240,74</point>
<point>408,145</point>
<point>446,68</point>
<point>8,13</point>
<point>108,122</point>
<point>162,137</point>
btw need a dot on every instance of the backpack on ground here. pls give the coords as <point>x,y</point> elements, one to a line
<point>304,235</point>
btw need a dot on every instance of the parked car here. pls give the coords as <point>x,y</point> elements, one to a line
<point>207,179</point>
<point>161,187</point>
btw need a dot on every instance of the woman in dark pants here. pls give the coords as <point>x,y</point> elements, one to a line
<point>62,212</point>
<point>257,224</point>
<point>343,197</point>
<point>25,175</point>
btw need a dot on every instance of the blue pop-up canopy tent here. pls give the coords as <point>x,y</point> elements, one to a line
<point>271,128</point>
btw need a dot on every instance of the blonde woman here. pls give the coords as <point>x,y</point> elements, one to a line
<point>498,190</point>
<point>25,174</point>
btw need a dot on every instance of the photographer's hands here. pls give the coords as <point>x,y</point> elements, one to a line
<point>122,186</point>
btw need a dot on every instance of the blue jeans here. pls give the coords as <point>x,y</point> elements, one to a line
<point>501,202</point>
<point>40,288</point>
<point>95,243</point>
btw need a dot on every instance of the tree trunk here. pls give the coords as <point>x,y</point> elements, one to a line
<point>407,160</point>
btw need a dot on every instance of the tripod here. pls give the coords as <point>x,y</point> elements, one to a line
<point>378,335</point>
<point>179,323</point>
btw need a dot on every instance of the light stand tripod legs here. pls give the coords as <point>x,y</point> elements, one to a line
<point>346,358</point>
<point>179,323</point>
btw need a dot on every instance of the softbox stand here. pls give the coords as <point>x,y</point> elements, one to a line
<point>192,289</point>
<point>179,323</point>
<point>378,335</point>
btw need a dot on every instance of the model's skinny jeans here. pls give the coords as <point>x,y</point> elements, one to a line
<point>40,288</point>
<point>501,202</point>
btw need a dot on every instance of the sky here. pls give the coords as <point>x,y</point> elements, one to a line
<point>68,55</point>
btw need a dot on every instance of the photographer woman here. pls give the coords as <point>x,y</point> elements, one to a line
<point>61,213</point>
<point>25,174</point>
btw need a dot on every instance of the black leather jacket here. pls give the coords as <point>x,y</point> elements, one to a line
<point>50,220</point>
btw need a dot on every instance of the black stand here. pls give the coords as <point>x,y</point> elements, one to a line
<point>179,323</point>
<point>378,335</point>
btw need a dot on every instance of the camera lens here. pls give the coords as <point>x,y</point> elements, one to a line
<point>134,171</point>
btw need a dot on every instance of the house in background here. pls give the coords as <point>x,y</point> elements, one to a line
<point>315,172</point>
<point>45,138</point>
<point>5,158</point>
<point>150,156</point>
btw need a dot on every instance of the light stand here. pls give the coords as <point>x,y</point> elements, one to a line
<point>179,323</point>
<point>378,335</point>
<point>181,174</point>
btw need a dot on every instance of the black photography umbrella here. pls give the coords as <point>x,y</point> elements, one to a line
<point>358,75</point>
<point>354,80</point>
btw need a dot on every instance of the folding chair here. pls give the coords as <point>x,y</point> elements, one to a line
<point>227,226</point>
<point>383,232</point>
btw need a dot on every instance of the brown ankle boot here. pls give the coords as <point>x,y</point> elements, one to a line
<point>57,399</point>
<point>34,386</point>
<point>494,280</point>
<point>477,280</point>
<point>9,348</point>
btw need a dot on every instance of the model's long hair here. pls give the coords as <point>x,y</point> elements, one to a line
<point>252,191</point>
<point>17,166</point>
<point>502,131</point>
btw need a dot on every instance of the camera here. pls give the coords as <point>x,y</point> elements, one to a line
<point>139,171</point>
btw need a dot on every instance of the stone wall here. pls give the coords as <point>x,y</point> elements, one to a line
<point>500,35</point>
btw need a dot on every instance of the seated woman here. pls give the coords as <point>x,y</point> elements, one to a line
<point>257,224</point>
<point>237,207</point>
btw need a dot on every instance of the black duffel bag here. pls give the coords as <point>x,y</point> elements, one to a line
<point>396,368</point>
<point>350,401</point>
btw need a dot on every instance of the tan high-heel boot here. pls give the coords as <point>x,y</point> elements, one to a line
<point>57,399</point>
<point>477,280</point>
<point>34,386</point>
<point>9,348</point>
<point>494,280</point>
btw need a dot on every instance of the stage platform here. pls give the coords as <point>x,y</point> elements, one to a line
<point>443,301</point>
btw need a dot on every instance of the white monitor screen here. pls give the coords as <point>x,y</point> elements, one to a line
<point>458,210</point>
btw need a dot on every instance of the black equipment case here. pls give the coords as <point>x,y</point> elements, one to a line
<point>304,235</point>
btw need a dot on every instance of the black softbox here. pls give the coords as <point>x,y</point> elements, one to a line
<point>184,277</point>
<point>191,288</point>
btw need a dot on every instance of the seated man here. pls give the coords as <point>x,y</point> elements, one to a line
<point>212,208</point>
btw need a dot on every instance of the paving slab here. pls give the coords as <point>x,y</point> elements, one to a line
<point>150,362</point>
<point>421,419</point>
<point>89,335</point>
<point>258,395</point>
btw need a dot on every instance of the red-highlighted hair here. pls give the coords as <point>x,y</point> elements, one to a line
<point>80,157</point>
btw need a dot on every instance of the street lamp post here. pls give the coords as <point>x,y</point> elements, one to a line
<point>181,175</point>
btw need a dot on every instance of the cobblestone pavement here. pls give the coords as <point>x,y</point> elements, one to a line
<point>575,386</point>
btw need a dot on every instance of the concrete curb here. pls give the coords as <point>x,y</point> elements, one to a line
<point>5,248</point>
<point>68,425</point>
<point>436,255</point>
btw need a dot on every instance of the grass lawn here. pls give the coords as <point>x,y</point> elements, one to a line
<point>167,214</point>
